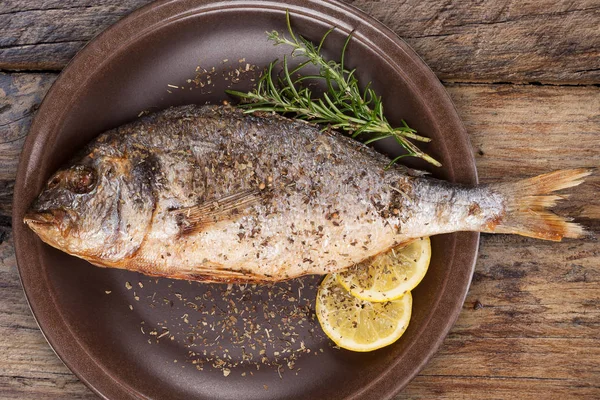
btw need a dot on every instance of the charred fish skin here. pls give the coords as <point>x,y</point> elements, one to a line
<point>209,193</point>
<point>100,206</point>
<point>320,196</point>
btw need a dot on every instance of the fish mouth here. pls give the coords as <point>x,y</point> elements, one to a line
<point>39,218</point>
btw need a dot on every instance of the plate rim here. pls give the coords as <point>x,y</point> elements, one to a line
<point>65,344</point>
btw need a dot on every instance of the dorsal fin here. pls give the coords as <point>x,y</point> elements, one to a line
<point>195,218</point>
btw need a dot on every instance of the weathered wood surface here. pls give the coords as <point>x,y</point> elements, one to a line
<point>538,333</point>
<point>46,34</point>
<point>486,41</point>
<point>499,41</point>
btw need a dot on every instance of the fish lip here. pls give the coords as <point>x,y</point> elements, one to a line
<point>39,218</point>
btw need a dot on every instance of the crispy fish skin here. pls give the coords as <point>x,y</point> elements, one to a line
<point>212,194</point>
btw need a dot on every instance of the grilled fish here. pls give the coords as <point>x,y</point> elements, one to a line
<point>208,193</point>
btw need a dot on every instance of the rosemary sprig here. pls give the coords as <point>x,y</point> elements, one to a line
<point>343,106</point>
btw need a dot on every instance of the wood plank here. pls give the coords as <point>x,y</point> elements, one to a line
<point>29,369</point>
<point>499,41</point>
<point>20,96</point>
<point>46,35</point>
<point>488,41</point>
<point>538,333</point>
<point>429,387</point>
<point>530,129</point>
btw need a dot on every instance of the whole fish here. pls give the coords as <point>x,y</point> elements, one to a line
<point>212,194</point>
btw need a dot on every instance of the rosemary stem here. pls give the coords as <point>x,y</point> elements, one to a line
<point>344,105</point>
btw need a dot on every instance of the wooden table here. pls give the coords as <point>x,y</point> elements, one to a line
<point>525,78</point>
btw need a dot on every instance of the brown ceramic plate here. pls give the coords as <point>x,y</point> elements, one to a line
<point>124,353</point>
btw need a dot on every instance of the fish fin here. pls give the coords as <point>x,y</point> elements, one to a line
<point>195,218</point>
<point>217,273</point>
<point>527,202</point>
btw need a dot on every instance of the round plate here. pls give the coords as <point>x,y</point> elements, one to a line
<point>128,336</point>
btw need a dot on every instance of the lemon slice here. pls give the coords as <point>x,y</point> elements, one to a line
<point>359,325</point>
<point>389,275</point>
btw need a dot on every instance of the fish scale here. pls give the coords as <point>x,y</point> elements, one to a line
<point>209,193</point>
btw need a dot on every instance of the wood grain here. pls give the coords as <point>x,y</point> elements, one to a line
<point>499,41</point>
<point>482,41</point>
<point>530,327</point>
<point>537,334</point>
<point>20,95</point>
<point>45,35</point>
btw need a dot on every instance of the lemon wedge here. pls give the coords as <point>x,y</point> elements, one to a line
<point>359,325</point>
<point>388,276</point>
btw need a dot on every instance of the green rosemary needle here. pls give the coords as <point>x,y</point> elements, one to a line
<point>343,105</point>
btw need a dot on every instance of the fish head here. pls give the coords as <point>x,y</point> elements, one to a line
<point>58,210</point>
<point>98,208</point>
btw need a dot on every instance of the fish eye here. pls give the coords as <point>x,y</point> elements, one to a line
<point>81,179</point>
<point>54,182</point>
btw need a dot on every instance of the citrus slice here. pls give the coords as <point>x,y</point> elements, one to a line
<point>389,275</point>
<point>359,325</point>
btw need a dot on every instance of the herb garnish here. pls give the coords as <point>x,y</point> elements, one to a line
<point>344,106</point>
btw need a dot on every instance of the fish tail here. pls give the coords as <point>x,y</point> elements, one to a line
<point>527,202</point>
